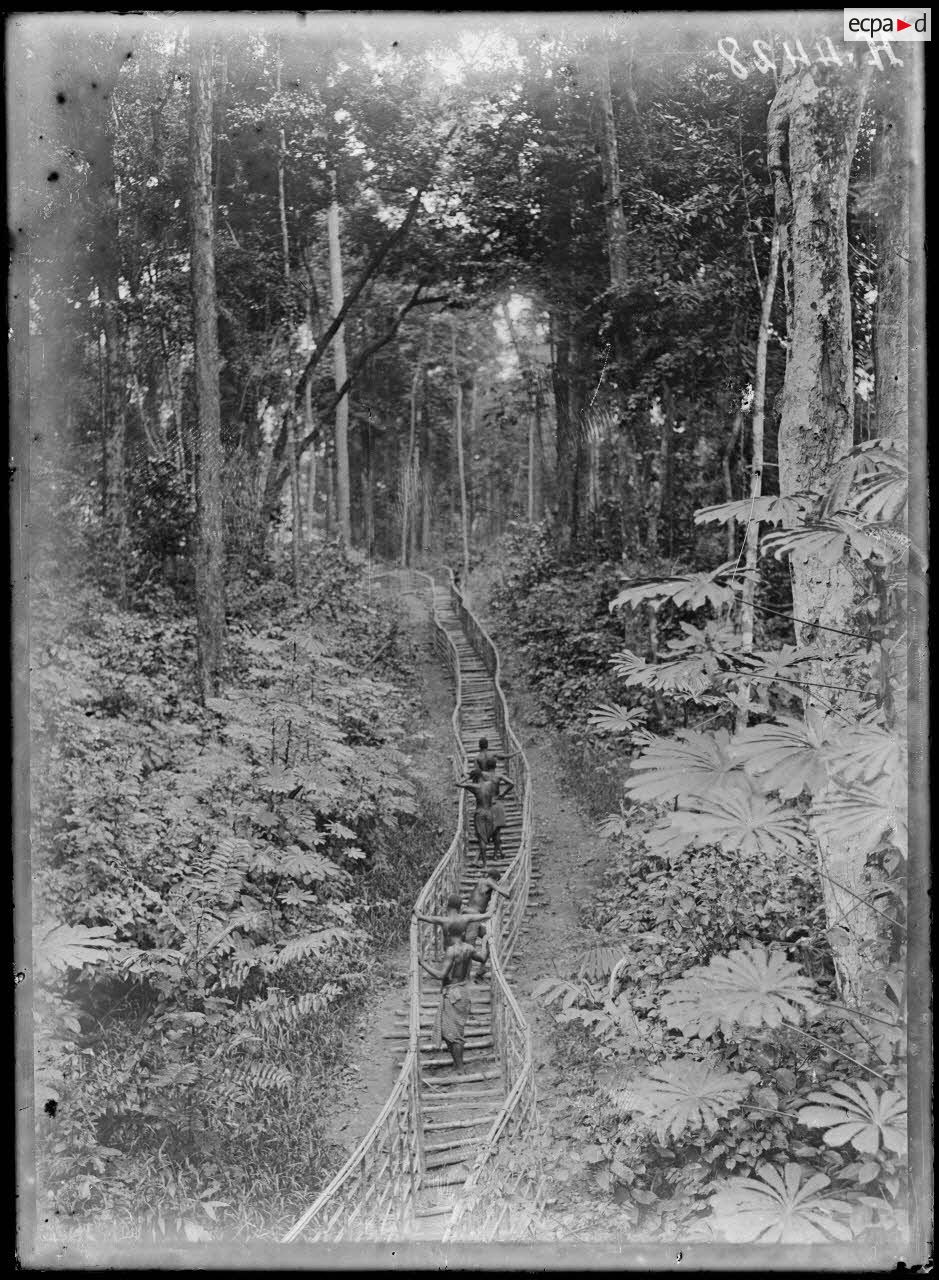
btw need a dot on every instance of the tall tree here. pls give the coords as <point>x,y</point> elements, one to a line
<point>752,535</point>
<point>296,531</point>
<point>210,585</point>
<point>341,435</point>
<point>461,466</point>
<point>812,131</point>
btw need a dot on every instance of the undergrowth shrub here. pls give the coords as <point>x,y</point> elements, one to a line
<point>214,888</point>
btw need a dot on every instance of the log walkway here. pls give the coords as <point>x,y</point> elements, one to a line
<point>444,1142</point>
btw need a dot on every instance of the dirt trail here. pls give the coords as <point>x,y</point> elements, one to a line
<point>567,864</point>
<point>364,1084</point>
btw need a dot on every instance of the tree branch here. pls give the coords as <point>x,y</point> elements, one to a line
<point>368,351</point>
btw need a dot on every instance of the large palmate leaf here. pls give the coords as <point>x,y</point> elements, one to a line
<point>860,815</point>
<point>611,717</point>
<point>782,664</point>
<point>790,753</point>
<point>864,753</point>
<point>690,674</point>
<point>70,946</point>
<point>823,542</point>
<point>860,1114</point>
<point>872,480</point>
<point>750,987</point>
<point>827,540</point>
<point>690,590</point>
<point>787,510</point>
<point>690,764</point>
<point>780,1208</point>
<point>681,1094</point>
<point>615,824</point>
<point>741,819</point>
<point>666,840</point>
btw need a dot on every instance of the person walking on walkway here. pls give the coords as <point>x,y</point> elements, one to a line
<point>489,818</point>
<point>459,921</point>
<point>480,899</point>
<point>454,1007</point>
<point>487,761</point>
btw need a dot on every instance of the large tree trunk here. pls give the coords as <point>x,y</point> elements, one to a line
<point>565,421</point>
<point>310,494</point>
<point>813,125</point>
<point>461,467</point>
<point>891,319</point>
<point>343,515</point>
<point>426,469</point>
<point>408,490</point>
<point>210,587</point>
<point>537,465</point>
<point>752,535</point>
<point>106,268</point>
<point>292,459</point>
<point>609,163</point>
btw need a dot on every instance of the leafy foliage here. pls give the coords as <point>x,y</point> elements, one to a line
<point>221,881</point>
<point>690,764</point>
<point>692,591</point>
<point>859,1114</point>
<point>780,1208</point>
<point>750,987</point>
<point>678,1095</point>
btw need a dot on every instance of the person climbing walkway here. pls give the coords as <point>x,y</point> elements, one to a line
<point>487,761</point>
<point>489,818</point>
<point>454,1007</point>
<point>458,922</point>
<point>480,898</point>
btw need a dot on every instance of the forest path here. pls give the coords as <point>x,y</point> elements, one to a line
<point>568,858</point>
<point>364,1083</point>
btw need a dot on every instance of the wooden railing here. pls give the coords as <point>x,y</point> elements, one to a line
<point>373,1194</point>
<point>484,1210</point>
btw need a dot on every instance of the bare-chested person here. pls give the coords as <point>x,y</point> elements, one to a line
<point>469,922</point>
<point>458,922</point>
<point>489,818</point>
<point>454,1007</point>
<point>487,761</point>
<point>480,899</point>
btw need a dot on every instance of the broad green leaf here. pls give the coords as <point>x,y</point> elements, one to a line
<point>751,987</point>
<point>789,754</point>
<point>68,946</point>
<point>682,1094</point>
<point>764,510</point>
<point>779,1208</point>
<point>824,543</point>
<point>860,815</point>
<point>737,819</point>
<point>690,764</point>
<point>859,1113</point>
<point>689,674</point>
<point>691,591</point>
<point>617,824</point>
<point>611,717</point>
<point>864,753</point>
